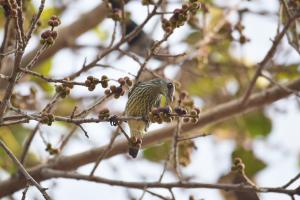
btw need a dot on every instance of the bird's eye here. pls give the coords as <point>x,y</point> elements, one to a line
<point>170,85</point>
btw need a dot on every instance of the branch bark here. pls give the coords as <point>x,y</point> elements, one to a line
<point>216,114</point>
<point>187,185</point>
<point>66,36</point>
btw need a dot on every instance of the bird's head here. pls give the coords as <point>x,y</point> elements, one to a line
<point>165,87</point>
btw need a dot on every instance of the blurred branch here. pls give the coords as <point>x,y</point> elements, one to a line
<point>69,33</point>
<point>267,58</point>
<point>24,172</point>
<point>49,173</point>
<point>28,142</point>
<point>216,114</point>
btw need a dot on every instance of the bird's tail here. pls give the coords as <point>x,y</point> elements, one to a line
<point>133,151</point>
<point>134,146</point>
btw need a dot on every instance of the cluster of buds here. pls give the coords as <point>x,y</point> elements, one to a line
<point>91,82</point>
<point>118,91</point>
<point>180,15</point>
<point>238,165</point>
<point>193,116</point>
<point>159,115</point>
<point>116,14</point>
<point>51,150</point>
<point>103,114</point>
<point>64,89</point>
<point>54,21</point>
<point>180,111</point>
<point>147,2</point>
<point>239,27</point>
<point>48,37</point>
<point>47,118</point>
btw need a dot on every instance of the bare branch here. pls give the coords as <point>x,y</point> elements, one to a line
<point>23,170</point>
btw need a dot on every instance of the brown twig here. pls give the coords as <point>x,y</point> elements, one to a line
<point>291,181</point>
<point>49,173</point>
<point>23,171</point>
<point>267,57</point>
<point>105,152</point>
<point>213,115</point>
<point>27,143</point>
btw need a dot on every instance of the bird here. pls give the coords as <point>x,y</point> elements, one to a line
<point>141,99</point>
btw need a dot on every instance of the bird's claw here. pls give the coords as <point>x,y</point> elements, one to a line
<point>113,120</point>
<point>145,119</point>
<point>136,141</point>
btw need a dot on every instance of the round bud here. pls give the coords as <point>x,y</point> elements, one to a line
<point>129,82</point>
<point>194,120</point>
<point>104,84</point>
<point>119,90</point>
<point>87,82</point>
<point>46,34</point>
<point>121,81</point>
<point>107,92</point>
<point>91,87</point>
<point>197,110</point>
<point>193,113</point>
<point>104,77</point>
<point>117,96</point>
<point>113,88</point>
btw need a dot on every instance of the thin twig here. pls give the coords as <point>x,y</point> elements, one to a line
<point>291,181</point>
<point>267,57</point>
<point>105,152</point>
<point>296,93</point>
<point>23,170</point>
<point>27,143</point>
<point>50,173</point>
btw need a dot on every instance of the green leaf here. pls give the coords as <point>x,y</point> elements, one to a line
<point>10,140</point>
<point>20,132</point>
<point>287,72</point>
<point>252,163</point>
<point>65,107</point>
<point>157,153</point>
<point>194,37</point>
<point>256,123</point>
<point>44,69</point>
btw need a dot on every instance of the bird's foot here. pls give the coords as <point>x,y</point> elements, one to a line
<point>145,119</point>
<point>113,120</point>
<point>136,141</point>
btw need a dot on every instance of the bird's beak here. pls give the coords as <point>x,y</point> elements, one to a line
<point>170,95</point>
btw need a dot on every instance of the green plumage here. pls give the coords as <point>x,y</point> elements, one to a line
<point>142,98</point>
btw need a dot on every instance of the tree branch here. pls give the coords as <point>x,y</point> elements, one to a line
<point>216,114</point>
<point>24,172</point>
<point>49,173</point>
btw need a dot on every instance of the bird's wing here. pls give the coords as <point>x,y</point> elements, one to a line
<point>133,88</point>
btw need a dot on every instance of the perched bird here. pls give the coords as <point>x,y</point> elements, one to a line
<point>142,98</point>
